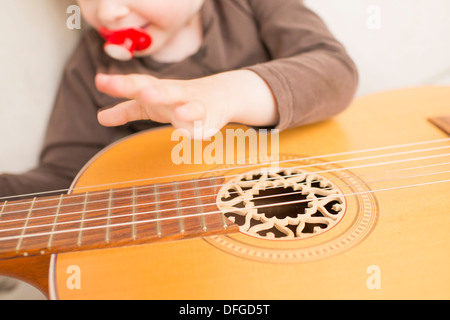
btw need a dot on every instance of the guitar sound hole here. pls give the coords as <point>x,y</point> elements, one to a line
<point>296,203</point>
<point>281,204</point>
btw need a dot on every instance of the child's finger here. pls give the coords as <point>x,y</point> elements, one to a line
<point>118,115</point>
<point>126,112</point>
<point>163,93</point>
<point>190,112</point>
<point>123,86</point>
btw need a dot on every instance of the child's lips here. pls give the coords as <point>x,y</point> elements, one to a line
<point>145,26</point>
<point>122,44</point>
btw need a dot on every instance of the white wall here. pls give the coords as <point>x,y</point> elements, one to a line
<point>395,43</point>
<point>34,48</point>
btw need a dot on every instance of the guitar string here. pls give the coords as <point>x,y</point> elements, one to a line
<point>213,195</point>
<point>313,165</point>
<point>163,202</point>
<point>10,198</point>
<point>84,212</point>
<point>294,175</point>
<point>297,167</point>
<point>209,204</point>
<point>125,224</point>
<point>84,221</point>
<point>219,185</point>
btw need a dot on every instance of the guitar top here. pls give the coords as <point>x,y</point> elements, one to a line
<point>351,208</point>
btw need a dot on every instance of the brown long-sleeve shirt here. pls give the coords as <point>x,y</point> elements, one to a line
<point>310,74</point>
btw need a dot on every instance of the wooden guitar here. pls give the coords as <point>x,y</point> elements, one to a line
<point>357,207</point>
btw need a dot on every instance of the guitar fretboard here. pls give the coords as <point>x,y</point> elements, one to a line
<point>111,218</point>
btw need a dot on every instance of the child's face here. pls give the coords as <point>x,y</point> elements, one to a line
<point>162,19</point>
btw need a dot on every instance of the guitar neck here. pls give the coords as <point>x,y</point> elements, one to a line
<point>111,218</point>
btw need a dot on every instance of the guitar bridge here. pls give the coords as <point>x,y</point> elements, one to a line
<point>442,123</point>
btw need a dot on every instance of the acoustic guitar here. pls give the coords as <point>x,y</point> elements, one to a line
<point>357,207</point>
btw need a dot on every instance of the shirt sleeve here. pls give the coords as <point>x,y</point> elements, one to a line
<point>311,75</point>
<point>73,133</point>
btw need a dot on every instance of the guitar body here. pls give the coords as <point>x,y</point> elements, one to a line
<point>391,244</point>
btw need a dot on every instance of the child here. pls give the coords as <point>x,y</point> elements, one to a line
<point>268,63</point>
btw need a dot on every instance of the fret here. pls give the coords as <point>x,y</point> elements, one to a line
<point>200,206</point>
<point>112,217</point>
<point>55,221</point>
<point>222,216</point>
<point>83,216</point>
<point>108,219</point>
<point>30,211</point>
<point>157,209</point>
<point>133,213</point>
<point>3,209</point>
<point>179,210</point>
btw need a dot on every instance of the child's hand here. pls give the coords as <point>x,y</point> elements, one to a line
<point>214,101</point>
<point>180,103</point>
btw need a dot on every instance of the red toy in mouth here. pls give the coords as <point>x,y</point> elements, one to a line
<point>122,44</point>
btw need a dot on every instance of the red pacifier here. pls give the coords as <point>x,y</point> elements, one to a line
<point>122,44</point>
